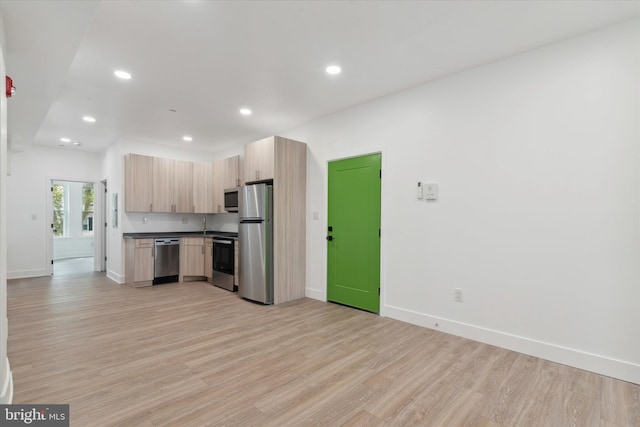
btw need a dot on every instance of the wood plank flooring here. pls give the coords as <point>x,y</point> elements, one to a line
<point>192,354</point>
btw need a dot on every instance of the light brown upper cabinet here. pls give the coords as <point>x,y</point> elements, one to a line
<point>231,175</point>
<point>154,184</point>
<point>217,190</point>
<point>259,160</point>
<point>172,186</point>
<point>138,184</point>
<point>203,187</point>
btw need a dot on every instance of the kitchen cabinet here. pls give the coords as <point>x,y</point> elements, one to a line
<point>285,162</point>
<point>138,186</point>
<point>208,259</point>
<point>139,262</point>
<point>259,160</point>
<point>203,201</point>
<point>182,186</point>
<point>236,263</point>
<point>191,258</point>
<point>217,191</point>
<point>231,174</point>
<point>154,184</point>
<point>172,186</point>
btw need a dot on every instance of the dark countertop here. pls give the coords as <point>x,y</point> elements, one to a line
<point>157,234</point>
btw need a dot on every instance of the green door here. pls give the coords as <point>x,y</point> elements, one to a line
<point>353,234</point>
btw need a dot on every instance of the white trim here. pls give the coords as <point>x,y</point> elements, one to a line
<point>23,274</point>
<point>6,395</point>
<point>315,294</point>
<point>118,278</point>
<point>620,369</point>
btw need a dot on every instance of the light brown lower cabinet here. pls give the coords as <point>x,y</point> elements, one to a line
<point>139,262</point>
<point>192,255</point>
<point>208,259</point>
<point>236,263</point>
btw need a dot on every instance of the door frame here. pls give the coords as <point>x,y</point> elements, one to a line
<point>383,219</point>
<point>49,220</point>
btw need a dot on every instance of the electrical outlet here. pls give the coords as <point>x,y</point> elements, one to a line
<point>457,295</point>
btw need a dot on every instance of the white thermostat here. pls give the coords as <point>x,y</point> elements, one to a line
<point>431,191</point>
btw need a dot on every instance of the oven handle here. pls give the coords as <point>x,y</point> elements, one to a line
<point>225,242</point>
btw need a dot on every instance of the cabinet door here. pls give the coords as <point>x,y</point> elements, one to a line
<point>162,185</point>
<point>208,258</point>
<point>236,263</point>
<point>192,256</point>
<point>143,259</point>
<point>203,187</point>
<point>218,189</point>
<point>182,186</point>
<point>259,160</point>
<point>138,187</point>
<point>231,178</point>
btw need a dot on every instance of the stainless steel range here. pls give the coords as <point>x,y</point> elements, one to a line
<point>223,263</point>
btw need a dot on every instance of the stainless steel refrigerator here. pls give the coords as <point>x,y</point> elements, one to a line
<point>255,233</point>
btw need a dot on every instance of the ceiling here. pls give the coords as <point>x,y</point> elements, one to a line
<point>207,59</point>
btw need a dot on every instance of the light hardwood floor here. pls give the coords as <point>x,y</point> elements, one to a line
<point>192,354</point>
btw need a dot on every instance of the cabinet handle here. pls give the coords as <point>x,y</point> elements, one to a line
<point>203,250</point>
<point>219,210</point>
<point>150,207</point>
<point>193,208</point>
<point>257,174</point>
<point>237,182</point>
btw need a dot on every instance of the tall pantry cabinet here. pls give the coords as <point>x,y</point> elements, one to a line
<point>285,162</point>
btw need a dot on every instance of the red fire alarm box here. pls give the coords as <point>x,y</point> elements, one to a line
<point>10,87</point>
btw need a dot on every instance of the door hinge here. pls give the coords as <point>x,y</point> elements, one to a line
<point>51,225</point>
<point>378,291</point>
<point>105,259</point>
<point>380,173</point>
<point>51,262</point>
<point>105,224</point>
<point>379,232</point>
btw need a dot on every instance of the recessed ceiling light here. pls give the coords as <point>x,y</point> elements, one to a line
<point>77,143</point>
<point>122,74</point>
<point>187,138</point>
<point>65,140</point>
<point>245,111</point>
<point>89,119</point>
<point>333,70</point>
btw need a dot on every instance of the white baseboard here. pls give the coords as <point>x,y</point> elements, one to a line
<point>623,370</point>
<point>6,391</point>
<point>118,278</point>
<point>24,274</point>
<point>315,294</point>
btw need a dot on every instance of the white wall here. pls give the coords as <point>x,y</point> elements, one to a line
<point>113,167</point>
<point>29,203</point>
<point>6,377</point>
<point>538,220</point>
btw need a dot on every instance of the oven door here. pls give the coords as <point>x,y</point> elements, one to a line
<point>223,264</point>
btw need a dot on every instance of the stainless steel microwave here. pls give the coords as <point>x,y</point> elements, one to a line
<point>231,199</point>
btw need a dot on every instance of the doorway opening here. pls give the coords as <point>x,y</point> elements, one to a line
<point>72,227</point>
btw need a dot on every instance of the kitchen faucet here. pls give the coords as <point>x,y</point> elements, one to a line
<point>204,225</point>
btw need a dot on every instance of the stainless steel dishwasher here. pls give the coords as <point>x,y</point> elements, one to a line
<point>166,267</point>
